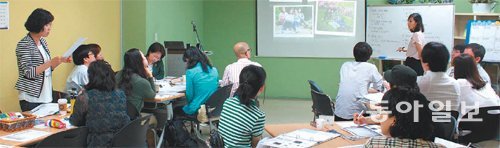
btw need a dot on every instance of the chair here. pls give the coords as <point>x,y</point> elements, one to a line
<point>133,134</point>
<point>213,106</point>
<point>446,130</point>
<point>76,137</point>
<point>132,111</point>
<point>56,95</point>
<point>480,130</point>
<point>322,104</point>
<point>314,86</point>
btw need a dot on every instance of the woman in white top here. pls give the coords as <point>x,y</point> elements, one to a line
<point>34,62</point>
<point>473,94</point>
<point>417,42</point>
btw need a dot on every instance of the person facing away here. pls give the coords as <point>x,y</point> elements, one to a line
<point>155,54</point>
<point>457,50</point>
<point>78,78</point>
<point>355,79</point>
<point>201,81</point>
<point>408,125</point>
<point>478,52</point>
<point>473,90</point>
<point>242,122</point>
<point>135,79</point>
<point>232,72</point>
<point>34,63</point>
<point>417,41</point>
<point>96,49</point>
<point>435,84</point>
<point>101,107</point>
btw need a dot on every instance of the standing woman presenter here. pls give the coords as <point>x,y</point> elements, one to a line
<point>417,42</point>
<point>34,63</point>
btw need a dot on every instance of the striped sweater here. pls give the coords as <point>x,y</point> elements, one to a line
<point>28,58</point>
<point>239,123</point>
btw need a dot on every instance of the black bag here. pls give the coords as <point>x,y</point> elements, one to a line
<point>177,135</point>
<point>216,140</point>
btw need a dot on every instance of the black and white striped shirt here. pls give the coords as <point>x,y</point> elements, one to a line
<point>28,58</point>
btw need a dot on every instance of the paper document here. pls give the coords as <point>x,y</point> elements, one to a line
<point>45,109</point>
<point>375,97</point>
<point>73,47</point>
<point>5,146</point>
<point>448,144</point>
<point>25,135</point>
<point>300,138</point>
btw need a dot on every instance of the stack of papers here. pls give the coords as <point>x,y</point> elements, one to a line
<point>45,109</point>
<point>300,138</point>
<point>26,135</point>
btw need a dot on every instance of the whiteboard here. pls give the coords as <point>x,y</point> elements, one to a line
<point>386,27</point>
<point>486,33</point>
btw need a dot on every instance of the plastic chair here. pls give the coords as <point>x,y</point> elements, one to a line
<point>213,106</point>
<point>480,130</point>
<point>446,130</point>
<point>76,137</point>
<point>133,134</point>
<point>322,104</point>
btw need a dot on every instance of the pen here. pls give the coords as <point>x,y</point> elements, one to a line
<point>468,145</point>
<point>361,113</point>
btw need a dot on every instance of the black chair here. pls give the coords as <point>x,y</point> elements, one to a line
<point>76,137</point>
<point>132,111</point>
<point>446,130</point>
<point>213,106</point>
<point>133,134</point>
<point>486,129</point>
<point>322,104</point>
<point>56,95</point>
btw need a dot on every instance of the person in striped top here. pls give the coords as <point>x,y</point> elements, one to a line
<point>242,122</point>
<point>232,71</point>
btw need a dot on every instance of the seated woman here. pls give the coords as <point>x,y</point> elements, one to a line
<point>201,81</point>
<point>473,90</point>
<point>242,122</point>
<point>135,79</point>
<point>155,54</point>
<point>403,125</point>
<point>101,107</point>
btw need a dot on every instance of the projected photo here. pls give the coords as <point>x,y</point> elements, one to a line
<point>285,0</point>
<point>335,17</point>
<point>293,21</point>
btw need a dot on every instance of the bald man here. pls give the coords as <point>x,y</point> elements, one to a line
<point>232,71</point>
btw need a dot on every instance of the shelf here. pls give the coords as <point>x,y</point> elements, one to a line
<point>459,37</point>
<point>478,14</point>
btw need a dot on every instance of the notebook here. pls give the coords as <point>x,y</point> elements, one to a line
<point>300,138</point>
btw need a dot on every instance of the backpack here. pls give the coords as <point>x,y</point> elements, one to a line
<point>177,135</point>
<point>215,139</point>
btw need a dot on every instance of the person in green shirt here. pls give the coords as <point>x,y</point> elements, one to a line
<point>135,79</point>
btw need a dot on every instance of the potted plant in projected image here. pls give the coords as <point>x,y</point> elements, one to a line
<point>483,6</point>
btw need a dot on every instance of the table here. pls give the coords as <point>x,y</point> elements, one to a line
<point>34,141</point>
<point>278,129</point>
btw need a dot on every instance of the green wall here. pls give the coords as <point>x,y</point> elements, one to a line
<point>222,23</point>
<point>170,20</point>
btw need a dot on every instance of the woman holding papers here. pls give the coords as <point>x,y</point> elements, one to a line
<point>242,122</point>
<point>417,42</point>
<point>34,62</point>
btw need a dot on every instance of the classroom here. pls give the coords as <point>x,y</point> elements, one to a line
<point>298,62</point>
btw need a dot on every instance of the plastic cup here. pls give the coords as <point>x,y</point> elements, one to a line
<point>63,106</point>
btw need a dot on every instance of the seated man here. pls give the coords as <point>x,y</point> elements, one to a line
<point>232,71</point>
<point>435,84</point>
<point>355,78</point>
<point>82,57</point>
<point>457,50</point>
<point>478,52</point>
